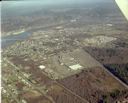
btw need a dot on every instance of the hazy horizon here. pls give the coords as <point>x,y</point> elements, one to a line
<point>48,2</point>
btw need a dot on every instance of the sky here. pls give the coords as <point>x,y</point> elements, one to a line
<point>26,5</point>
<point>46,2</point>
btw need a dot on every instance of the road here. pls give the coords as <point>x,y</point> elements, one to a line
<point>39,89</point>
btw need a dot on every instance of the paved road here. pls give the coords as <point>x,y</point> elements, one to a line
<point>39,89</point>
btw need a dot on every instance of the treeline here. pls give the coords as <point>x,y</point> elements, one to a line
<point>119,70</point>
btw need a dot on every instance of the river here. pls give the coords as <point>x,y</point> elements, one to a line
<point>11,39</point>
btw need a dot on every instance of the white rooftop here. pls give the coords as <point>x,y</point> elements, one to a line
<point>42,67</point>
<point>76,67</point>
